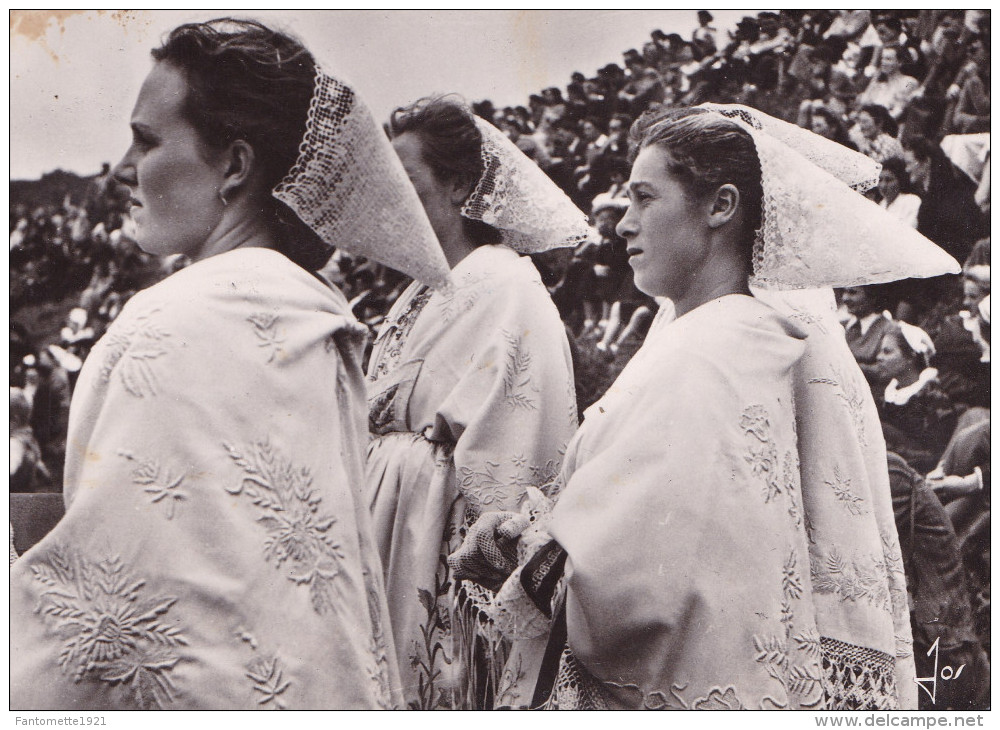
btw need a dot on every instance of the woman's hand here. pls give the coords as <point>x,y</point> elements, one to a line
<point>489,553</point>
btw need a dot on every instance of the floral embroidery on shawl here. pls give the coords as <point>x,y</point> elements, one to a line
<point>841,487</point>
<point>131,349</point>
<point>775,653</point>
<point>895,577</point>
<point>807,318</point>
<point>268,680</point>
<point>792,482</point>
<point>157,482</point>
<point>462,297</point>
<point>297,531</point>
<point>537,476</point>
<point>482,487</point>
<point>853,396</point>
<point>266,675</point>
<point>379,673</point>
<point>265,327</point>
<point>762,456</point>
<point>860,579</point>
<point>716,699</point>
<point>517,376</point>
<point>490,487</point>
<point>111,629</point>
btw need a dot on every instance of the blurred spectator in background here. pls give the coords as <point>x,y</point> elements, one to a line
<point>874,133</point>
<point>27,470</point>
<point>918,416</point>
<point>889,87</point>
<point>948,214</point>
<point>705,39</point>
<point>894,187</point>
<point>962,343</point>
<point>969,98</point>
<point>865,327</point>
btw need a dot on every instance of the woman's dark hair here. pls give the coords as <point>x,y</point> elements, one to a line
<point>896,332</point>
<point>451,145</point>
<point>836,124</point>
<point>706,151</point>
<point>246,81</point>
<point>898,168</point>
<point>882,118</point>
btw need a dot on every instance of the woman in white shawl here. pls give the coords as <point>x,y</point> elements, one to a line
<point>471,395</point>
<point>724,537</point>
<point>216,551</point>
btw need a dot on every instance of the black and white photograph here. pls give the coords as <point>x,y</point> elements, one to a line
<point>500,360</point>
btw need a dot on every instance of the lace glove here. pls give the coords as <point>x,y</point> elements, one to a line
<point>500,541</point>
<point>488,554</point>
<point>522,608</point>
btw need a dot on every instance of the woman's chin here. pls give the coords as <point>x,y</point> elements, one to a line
<point>154,245</point>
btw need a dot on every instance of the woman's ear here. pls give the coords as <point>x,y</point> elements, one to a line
<point>725,204</point>
<point>239,161</point>
<point>461,190</point>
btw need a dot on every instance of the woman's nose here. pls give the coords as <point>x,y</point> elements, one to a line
<point>124,171</point>
<point>626,226</point>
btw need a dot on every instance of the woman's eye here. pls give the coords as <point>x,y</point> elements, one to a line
<point>140,140</point>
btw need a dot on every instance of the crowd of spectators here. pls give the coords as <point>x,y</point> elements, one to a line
<point>908,88</point>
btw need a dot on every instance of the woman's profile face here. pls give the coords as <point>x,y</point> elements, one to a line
<point>172,177</point>
<point>664,227</point>
<point>892,360</point>
<point>434,194</point>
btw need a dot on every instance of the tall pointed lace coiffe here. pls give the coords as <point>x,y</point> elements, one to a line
<point>350,188</point>
<point>817,230</point>
<point>517,198</point>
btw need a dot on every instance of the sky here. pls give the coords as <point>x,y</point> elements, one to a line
<point>74,75</point>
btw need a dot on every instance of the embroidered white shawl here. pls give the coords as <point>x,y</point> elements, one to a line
<point>216,552</point>
<point>727,521</point>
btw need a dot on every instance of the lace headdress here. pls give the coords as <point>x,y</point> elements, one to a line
<point>817,230</point>
<point>517,198</point>
<point>350,188</point>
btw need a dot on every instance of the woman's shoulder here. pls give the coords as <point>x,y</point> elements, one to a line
<point>731,335</point>
<point>210,295</point>
<point>499,272</point>
<point>246,275</point>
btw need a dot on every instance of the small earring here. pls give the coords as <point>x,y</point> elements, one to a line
<point>223,198</point>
